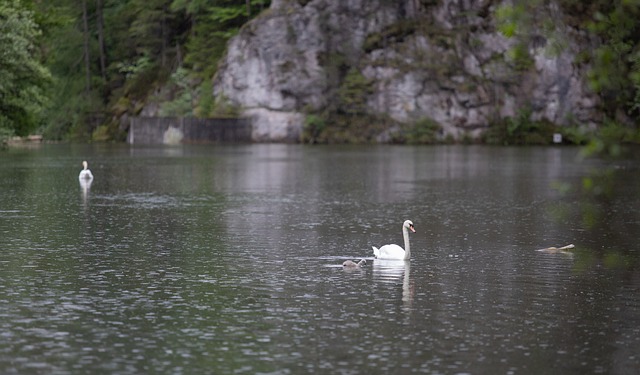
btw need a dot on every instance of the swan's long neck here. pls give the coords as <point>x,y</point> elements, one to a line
<point>407,249</point>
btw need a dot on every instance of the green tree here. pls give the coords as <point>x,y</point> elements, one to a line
<point>615,72</point>
<point>111,57</point>
<point>155,29</point>
<point>213,23</point>
<point>614,30</point>
<point>76,92</point>
<point>352,95</point>
<point>23,78</point>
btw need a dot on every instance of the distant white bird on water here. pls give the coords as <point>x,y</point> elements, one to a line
<point>394,251</point>
<point>85,174</point>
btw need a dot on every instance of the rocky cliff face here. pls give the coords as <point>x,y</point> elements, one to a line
<point>442,60</point>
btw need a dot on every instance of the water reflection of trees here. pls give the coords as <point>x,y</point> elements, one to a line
<point>599,206</point>
<point>602,205</point>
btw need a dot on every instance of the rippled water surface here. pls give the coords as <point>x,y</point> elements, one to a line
<point>227,259</point>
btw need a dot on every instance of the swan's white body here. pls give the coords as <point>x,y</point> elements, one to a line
<point>85,174</point>
<point>395,251</point>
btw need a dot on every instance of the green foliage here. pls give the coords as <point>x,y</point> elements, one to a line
<point>225,14</point>
<point>327,127</point>
<point>532,24</point>
<point>520,130</point>
<point>155,29</point>
<point>336,128</point>
<point>615,72</point>
<point>214,23</point>
<point>206,47</point>
<point>108,132</point>
<point>132,69</point>
<point>614,66</point>
<point>517,22</point>
<point>222,107</point>
<point>335,65</point>
<point>520,58</point>
<point>181,106</point>
<point>189,100</point>
<point>206,99</point>
<point>142,77</point>
<point>609,140</point>
<point>510,19</point>
<point>352,94</point>
<point>183,103</point>
<point>139,43</point>
<point>188,6</point>
<point>5,135</point>
<point>345,119</point>
<point>394,33</point>
<point>575,135</point>
<point>101,134</point>
<point>424,131</point>
<point>314,129</point>
<point>23,79</point>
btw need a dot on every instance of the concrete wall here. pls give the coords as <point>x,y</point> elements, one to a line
<point>177,130</point>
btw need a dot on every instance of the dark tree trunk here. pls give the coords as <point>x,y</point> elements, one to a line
<point>101,48</point>
<point>163,36</point>
<point>87,57</point>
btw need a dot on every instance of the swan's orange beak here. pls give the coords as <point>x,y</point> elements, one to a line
<point>412,229</point>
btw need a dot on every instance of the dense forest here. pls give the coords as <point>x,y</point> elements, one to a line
<point>71,70</point>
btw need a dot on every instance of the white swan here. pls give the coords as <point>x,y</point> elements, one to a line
<point>85,174</point>
<point>395,251</point>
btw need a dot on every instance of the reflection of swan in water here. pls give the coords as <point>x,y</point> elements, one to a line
<point>352,264</point>
<point>85,173</point>
<point>391,271</point>
<point>395,251</point>
<point>85,185</point>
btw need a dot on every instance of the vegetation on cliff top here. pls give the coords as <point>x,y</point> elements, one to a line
<point>72,69</point>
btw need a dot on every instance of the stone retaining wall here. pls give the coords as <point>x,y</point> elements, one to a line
<point>178,130</point>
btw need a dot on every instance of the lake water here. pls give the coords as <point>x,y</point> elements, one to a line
<point>227,260</point>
